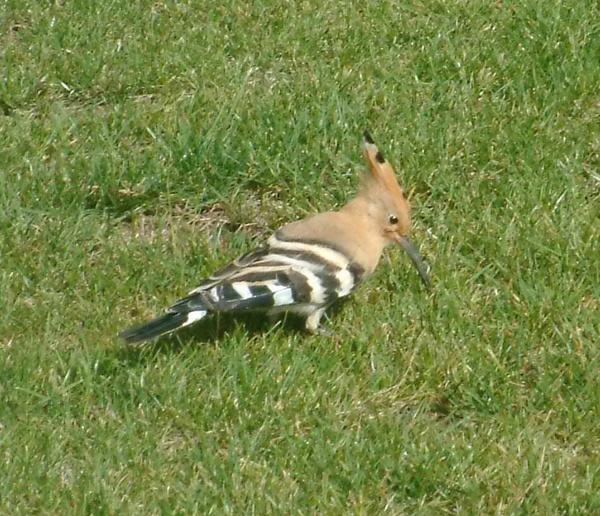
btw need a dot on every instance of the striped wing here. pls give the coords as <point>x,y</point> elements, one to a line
<point>284,275</point>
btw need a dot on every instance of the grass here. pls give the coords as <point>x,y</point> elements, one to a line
<point>144,143</point>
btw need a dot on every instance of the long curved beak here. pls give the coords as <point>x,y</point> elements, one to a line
<point>418,261</point>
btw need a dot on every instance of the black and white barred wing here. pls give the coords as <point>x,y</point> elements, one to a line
<point>283,275</point>
<point>255,288</point>
<point>329,272</point>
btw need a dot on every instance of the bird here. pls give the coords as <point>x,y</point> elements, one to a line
<point>306,265</point>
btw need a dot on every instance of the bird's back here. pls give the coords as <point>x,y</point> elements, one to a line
<point>287,272</point>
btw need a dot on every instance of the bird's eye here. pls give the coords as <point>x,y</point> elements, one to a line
<point>393,219</point>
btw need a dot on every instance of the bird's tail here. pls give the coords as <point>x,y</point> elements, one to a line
<point>165,324</point>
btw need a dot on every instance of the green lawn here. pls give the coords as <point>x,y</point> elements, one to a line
<point>145,143</point>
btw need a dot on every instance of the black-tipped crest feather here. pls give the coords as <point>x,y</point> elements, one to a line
<point>367,137</point>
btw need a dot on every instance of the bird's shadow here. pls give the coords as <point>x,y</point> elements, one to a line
<point>214,330</point>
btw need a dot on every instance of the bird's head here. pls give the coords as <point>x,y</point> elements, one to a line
<point>387,205</point>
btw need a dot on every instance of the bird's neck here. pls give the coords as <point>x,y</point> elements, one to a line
<point>369,241</point>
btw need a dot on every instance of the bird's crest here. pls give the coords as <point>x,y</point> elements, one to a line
<point>380,169</point>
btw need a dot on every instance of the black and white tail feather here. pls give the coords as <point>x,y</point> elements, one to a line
<point>285,276</point>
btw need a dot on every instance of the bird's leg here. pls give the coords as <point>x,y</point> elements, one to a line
<point>274,318</point>
<point>312,323</point>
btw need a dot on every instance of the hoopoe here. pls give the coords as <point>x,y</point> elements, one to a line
<point>305,265</point>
